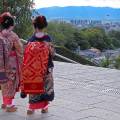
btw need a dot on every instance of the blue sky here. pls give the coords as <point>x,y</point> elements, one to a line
<point>97,3</point>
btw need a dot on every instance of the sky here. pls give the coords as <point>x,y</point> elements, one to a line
<point>97,3</point>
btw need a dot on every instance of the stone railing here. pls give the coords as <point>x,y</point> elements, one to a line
<point>56,55</point>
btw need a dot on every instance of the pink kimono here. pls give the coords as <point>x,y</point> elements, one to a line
<point>15,55</point>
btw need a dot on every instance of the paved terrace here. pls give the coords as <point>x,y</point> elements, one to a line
<point>82,93</point>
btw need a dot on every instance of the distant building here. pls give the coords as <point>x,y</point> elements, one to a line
<point>90,53</point>
<point>86,23</point>
<point>97,56</point>
<point>112,54</point>
<point>106,24</point>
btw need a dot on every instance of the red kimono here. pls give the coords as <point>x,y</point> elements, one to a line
<point>34,69</point>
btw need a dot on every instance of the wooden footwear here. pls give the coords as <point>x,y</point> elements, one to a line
<point>11,109</point>
<point>3,106</point>
<point>30,112</point>
<point>44,110</point>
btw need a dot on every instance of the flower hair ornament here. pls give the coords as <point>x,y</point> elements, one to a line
<point>5,14</point>
<point>41,19</point>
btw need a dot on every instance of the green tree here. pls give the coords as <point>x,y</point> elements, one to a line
<point>71,45</point>
<point>97,38</point>
<point>68,36</point>
<point>22,10</point>
<point>80,39</point>
<point>62,34</point>
<point>105,63</point>
<point>115,37</point>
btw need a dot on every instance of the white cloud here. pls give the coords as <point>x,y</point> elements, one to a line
<point>98,3</point>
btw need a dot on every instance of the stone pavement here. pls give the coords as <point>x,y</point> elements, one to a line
<point>82,93</point>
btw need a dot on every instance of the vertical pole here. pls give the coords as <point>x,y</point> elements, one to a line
<point>4,6</point>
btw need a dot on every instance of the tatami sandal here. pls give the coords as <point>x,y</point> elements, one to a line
<point>30,112</point>
<point>11,109</point>
<point>3,106</point>
<point>44,110</point>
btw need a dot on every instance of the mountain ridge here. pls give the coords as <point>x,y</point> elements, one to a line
<point>80,12</point>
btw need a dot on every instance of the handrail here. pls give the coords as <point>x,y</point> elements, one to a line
<point>57,55</point>
<point>65,58</point>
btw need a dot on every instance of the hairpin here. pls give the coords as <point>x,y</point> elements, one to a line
<point>41,19</point>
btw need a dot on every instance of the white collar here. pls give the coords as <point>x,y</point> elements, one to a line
<point>39,34</point>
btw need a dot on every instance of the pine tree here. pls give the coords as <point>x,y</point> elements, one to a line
<point>22,9</point>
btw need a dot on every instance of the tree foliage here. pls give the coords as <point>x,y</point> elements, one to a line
<point>115,38</point>
<point>117,63</point>
<point>66,35</point>
<point>22,10</point>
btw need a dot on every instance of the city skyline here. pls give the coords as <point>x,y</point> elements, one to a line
<point>62,3</point>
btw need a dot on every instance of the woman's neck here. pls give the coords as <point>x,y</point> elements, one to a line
<point>39,34</point>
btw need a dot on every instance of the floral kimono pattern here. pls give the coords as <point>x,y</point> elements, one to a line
<point>15,54</point>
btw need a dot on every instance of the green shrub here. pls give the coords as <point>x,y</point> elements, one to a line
<point>117,63</point>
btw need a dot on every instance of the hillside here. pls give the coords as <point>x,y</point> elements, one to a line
<point>87,12</point>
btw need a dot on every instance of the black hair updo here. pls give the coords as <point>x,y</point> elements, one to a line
<point>40,22</point>
<point>6,22</point>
